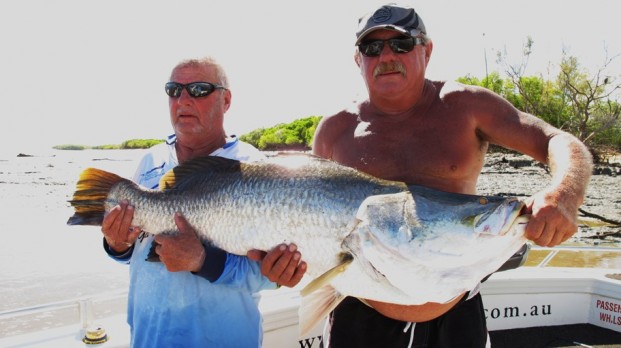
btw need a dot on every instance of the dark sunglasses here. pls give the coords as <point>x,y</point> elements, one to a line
<point>195,89</point>
<point>373,48</point>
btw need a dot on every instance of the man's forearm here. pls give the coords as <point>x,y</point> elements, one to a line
<point>571,165</point>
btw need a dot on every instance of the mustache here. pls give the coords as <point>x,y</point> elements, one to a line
<point>389,67</point>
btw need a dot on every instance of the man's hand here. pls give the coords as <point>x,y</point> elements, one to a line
<point>553,219</point>
<point>117,228</point>
<point>281,265</point>
<point>182,252</point>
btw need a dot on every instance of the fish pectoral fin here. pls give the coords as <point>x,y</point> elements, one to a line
<point>316,307</point>
<point>327,277</point>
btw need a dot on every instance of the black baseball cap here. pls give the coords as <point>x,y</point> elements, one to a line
<point>392,17</point>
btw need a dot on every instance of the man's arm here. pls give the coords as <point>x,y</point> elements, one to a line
<point>555,209</point>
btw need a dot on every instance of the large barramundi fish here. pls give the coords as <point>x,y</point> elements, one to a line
<point>360,236</point>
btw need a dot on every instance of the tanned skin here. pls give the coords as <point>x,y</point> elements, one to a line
<point>436,134</point>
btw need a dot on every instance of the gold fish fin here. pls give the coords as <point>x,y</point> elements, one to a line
<point>197,166</point>
<point>316,307</point>
<point>167,181</point>
<point>327,277</point>
<point>91,192</point>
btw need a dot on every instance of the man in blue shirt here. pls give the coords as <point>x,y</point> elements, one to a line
<point>195,295</point>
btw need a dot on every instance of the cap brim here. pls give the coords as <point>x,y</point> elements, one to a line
<point>385,27</point>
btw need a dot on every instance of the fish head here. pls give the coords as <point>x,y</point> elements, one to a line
<point>390,216</point>
<point>500,219</point>
<point>432,245</point>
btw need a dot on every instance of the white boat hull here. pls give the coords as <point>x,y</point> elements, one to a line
<point>520,298</point>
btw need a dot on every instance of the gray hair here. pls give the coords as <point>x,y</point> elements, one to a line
<point>424,37</point>
<point>206,62</point>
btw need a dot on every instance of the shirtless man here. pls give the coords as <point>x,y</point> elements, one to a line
<point>436,134</point>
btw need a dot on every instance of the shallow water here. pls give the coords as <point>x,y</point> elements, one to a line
<point>43,259</point>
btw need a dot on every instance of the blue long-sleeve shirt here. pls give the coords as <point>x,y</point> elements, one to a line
<point>217,307</point>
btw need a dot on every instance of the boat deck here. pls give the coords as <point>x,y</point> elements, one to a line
<point>561,297</point>
<point>577,335</point>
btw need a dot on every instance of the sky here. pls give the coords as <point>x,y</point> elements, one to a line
<point>93,72</point>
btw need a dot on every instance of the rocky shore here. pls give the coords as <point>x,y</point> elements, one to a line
<point>509,174</point>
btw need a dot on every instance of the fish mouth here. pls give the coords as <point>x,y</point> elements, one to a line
<point>516,216</point>
<point>502,219</point>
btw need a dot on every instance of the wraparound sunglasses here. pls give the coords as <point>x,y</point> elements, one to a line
<point>373,48</point>
<point>195,89</point>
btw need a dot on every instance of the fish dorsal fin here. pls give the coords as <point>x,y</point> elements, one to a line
<point>197,166</point>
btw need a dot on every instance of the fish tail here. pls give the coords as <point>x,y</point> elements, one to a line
<point>90,196</point>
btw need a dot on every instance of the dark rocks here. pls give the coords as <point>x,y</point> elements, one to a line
<point>607,170</point>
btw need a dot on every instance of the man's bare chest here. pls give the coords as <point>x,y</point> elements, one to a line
<point>411,155</point>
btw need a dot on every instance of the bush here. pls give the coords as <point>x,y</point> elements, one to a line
<point>70,147</point>
<point>297,135</point>
<point>140,143</point>
<point>129,144</point>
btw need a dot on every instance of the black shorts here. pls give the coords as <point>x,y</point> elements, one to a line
<point>356,325</point>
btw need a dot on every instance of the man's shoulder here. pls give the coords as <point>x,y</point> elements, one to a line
<point>345,116</point>
<point>239,150</point>
<point>158,153</point>
<point>154,163</point>
<point>334,125</point>
<point>449,89</point>
<point>457,96</point>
